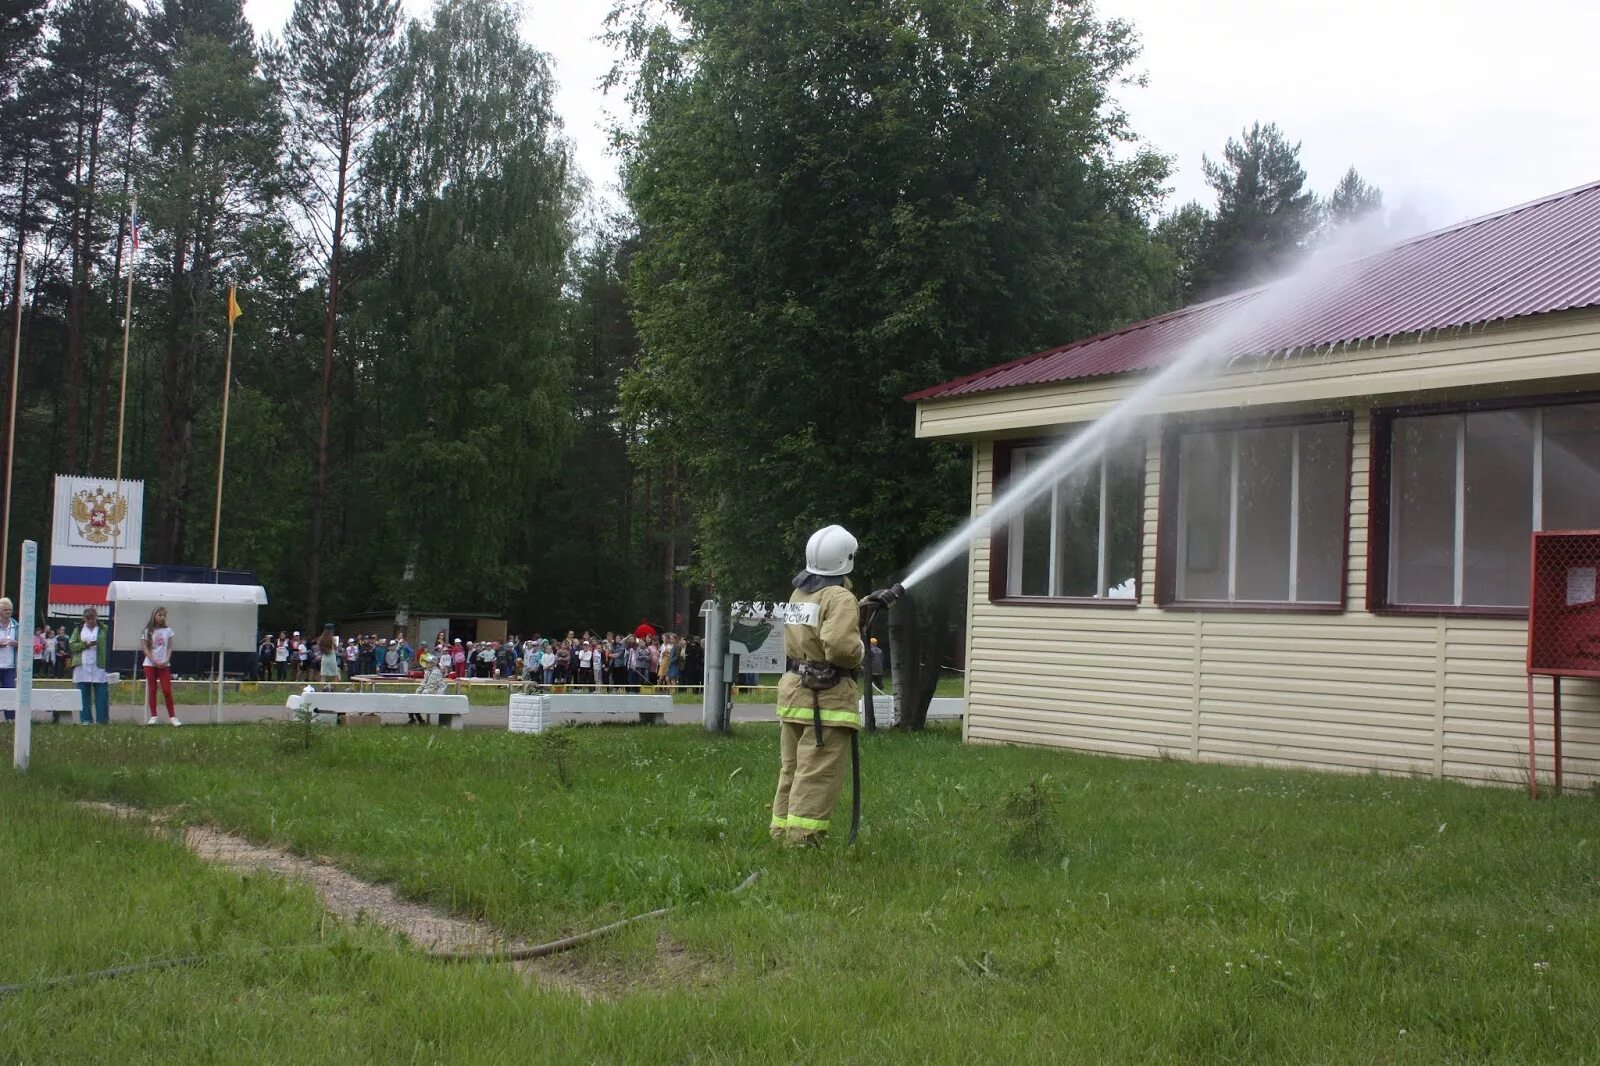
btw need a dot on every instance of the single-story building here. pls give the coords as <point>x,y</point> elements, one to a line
<point>1315,554</point>
<point>423,626</point>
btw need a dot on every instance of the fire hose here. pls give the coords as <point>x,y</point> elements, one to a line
<point>869,607</point>
<point>534,951</point>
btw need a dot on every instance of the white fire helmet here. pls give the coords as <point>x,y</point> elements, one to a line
<point>831,551</point>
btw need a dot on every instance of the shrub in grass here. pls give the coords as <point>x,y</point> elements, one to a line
<point>299,731</point>
<point>1027,815</point>
<point>554,749</point>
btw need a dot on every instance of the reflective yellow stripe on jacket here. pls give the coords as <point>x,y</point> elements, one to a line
<point>830,716</point>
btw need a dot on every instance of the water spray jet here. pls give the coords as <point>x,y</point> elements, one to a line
<point>1259,321</point>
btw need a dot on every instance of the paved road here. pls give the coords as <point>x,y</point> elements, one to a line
<point>479,718</point>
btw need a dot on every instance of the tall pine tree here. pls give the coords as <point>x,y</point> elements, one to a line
<point>213,141</point>
<point>334,56</point>
<point>1264,213</point>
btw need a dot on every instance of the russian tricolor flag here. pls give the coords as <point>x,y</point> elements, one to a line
<point>79,584</point>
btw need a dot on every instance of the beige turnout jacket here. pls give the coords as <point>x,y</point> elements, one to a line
<point>822,626</point>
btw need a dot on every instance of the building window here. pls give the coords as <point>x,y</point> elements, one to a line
<point>1079,540</point>
<point>1259,514</point>
<point>1467,489</point>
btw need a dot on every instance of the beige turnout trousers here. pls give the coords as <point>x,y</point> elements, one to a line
<point>809,780</point>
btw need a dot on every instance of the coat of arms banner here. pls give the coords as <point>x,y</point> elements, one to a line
<point>93,523</point>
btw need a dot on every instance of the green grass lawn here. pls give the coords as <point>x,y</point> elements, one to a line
<point>1002,905</point>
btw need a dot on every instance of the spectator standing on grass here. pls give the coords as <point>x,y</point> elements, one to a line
<point>352,656</point>
<point>638,664</point>
<point>266,653</point>
<point>63,650</point>
<point>40,638</point>
<point>302,658</point>
<point>433,682</point>
<point>875,661</point>
<point>458,659</point>
<point>49,667</point>
<point>598,663</point>
<point>280,655</point>
<point>328,655</point>
<point>156,644</point>
<point>90,645</point>
<point>585,662</point>
<point>547,662</point>
<point>664,661</point>
<point>8,649</point>
<point>617,657</point>
<point>407,654</point>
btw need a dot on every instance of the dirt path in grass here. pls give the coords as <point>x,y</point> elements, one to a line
<point>353,900</point>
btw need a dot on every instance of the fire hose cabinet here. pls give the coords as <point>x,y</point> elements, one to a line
<point>1563,625</point>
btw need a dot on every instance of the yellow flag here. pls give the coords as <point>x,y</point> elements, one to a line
<point>233,306</point>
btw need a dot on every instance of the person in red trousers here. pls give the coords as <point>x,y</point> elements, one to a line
<point>156,643</point>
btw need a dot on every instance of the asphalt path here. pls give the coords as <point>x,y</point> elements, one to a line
<point>477,717</point>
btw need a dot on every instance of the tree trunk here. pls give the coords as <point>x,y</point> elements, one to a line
<point>77,299</point>
<point>111,367</point>
<point>177,394</point>
<point>329,317</point>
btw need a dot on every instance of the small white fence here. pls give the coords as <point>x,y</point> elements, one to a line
<point>535,714</point>
<point>942,708</point>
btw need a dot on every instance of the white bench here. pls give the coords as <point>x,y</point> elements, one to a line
<point>60,702</point>
<point>535,714</point>
<point>452,710</point>
<point>940,708</point>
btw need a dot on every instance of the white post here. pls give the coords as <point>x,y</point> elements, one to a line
<point>22,739</point>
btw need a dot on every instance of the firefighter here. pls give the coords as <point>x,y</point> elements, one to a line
<point>818,701</point>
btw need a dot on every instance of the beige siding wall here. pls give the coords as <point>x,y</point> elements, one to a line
<point>1352,691</point>
<point>1558,350</point>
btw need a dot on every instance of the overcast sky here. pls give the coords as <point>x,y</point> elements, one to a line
<point>1453,108</point>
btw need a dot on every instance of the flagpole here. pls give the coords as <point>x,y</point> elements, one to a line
<point>122,395</point>
<point>11,430</point>
<point>222,449</point>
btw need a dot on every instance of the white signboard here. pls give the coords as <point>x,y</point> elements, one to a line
<point>202,617</point>
<point>93,525</point>
<point>756,636</point>
<point>1580,585</point>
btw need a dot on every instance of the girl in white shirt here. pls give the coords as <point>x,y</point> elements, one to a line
<point>156,643</point>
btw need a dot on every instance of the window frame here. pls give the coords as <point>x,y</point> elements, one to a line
<point>1380,500</point>
<point>1167,527</point>
<point>1000,533</point>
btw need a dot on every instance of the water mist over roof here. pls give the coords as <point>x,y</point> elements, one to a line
<point>1532,259</point>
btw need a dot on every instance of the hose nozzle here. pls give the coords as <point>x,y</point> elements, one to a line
<point>884,597</point>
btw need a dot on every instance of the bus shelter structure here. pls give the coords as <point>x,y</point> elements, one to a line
<point>203,618</point>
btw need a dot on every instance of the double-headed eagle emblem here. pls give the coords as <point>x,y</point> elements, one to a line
<point>98,514</point>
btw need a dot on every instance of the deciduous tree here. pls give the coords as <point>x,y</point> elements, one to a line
<point>840,203</point>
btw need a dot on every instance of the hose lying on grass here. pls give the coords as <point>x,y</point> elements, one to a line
<point>536,951</point>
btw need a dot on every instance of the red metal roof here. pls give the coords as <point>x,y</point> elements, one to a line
<point>1533,259</point>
